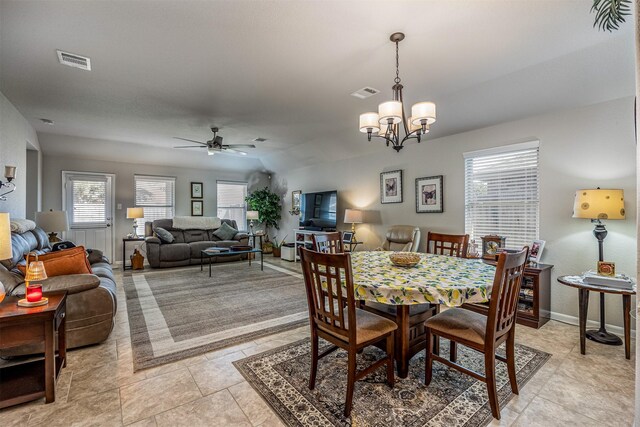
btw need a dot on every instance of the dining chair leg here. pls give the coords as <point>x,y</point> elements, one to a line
<point>428,360</point>
<point>511,360</point>
<point>436,344</point>
<point>490,375</point>
<point>453,351</point>
<point>390,358</point>
<point>351,381</point>
<point>314,359</point>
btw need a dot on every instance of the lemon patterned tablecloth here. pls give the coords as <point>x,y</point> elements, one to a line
<point>436,279</point>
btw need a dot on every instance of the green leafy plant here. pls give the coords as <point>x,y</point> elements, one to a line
<point>610,13</point>
<point>268,205</point>
<point>279,245</point>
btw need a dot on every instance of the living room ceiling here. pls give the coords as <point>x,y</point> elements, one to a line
<point>284,71</point>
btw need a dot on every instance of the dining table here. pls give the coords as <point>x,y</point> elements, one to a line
<point>410,295</point>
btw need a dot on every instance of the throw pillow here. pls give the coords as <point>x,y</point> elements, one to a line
<point>60,263</point>
<point>20,225</point>
<point>94,256</point>
<point>225,232</point>
<point>163,235</point>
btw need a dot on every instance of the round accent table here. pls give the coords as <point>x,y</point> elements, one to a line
<point>583,300</point>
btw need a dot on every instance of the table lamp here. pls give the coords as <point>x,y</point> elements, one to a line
<point>597,205</point>
<point>5,244</point>
<point>353,216</point>
<point>33,291</point>
<point>53,222</point>
<point>251,216</point>
<point>135,213</point>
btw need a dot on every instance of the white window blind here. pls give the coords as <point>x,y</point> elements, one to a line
<point>156,194</point>
<point>231,203</point>
<point>89,202</point>
<point>502,193</point>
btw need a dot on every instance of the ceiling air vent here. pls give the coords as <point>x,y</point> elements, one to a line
<point>73,60</point>
<point>260,140</point>
<point>365,92</point>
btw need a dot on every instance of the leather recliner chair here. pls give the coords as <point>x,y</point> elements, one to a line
<point>402,238</point>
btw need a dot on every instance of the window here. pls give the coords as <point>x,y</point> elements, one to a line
<point>502,194</point>
<point>231,203</point>
<point>89,201</point>
<point>156,194</point>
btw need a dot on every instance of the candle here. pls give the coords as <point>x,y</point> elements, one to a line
<point>9,172</point>
<point>34,292</point>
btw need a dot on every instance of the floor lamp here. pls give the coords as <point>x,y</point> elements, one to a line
<point>598,205</point>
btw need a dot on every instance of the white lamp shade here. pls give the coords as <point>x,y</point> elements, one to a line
<point>135,213</point>
<point>52,221</point>
<point>599,204</point>
<point>253,215</point>
<point>369,122</point>
<point>353,216</point>
<point>390,110</point>
<point>413,127</point>
<point>5,236</point>
<point>423,111</point>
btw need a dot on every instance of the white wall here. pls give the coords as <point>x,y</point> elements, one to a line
<point>15,135</point>
<point>582,148</point>
<point>124,186</point>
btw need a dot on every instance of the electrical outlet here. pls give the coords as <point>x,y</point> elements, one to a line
<point>119,206</point>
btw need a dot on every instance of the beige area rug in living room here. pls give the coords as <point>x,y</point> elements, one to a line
<point>182,312</point>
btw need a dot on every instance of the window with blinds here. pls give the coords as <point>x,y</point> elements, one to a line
<point>89,202</point>
<point>156,194</point>
<point>231,203</point>
<point>502,193</point>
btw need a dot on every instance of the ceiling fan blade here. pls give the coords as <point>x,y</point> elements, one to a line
<point>239,146</point>
<point>191,146</point>
<point>190,140</point>
<point>231,150</point>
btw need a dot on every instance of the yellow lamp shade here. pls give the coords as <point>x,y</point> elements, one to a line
<point>5,237</point>
<point>35,271</point>
<point>135,213</point>
<point>599,204</point>
<point>390,110</point>
<point>52,221</point>
<point>423,111</point>
<point>353,216</point>
<point>369,122</point>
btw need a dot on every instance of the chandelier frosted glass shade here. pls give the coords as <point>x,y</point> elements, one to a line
<point>390,110</point>
<point>423,111</point>
<point>369,122</point>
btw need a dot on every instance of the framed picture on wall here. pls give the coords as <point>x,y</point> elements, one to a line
<point>197,208</point>
<point>391,187</point>
<point>429,194</point>
<point>295,200</point>
<point>196,190</point>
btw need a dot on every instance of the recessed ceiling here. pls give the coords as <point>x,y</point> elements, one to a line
<point>285,70</point>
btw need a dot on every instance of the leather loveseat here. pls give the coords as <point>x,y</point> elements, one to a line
<point>402,238</point>
<point>91,298</point>
<point>187,244</point>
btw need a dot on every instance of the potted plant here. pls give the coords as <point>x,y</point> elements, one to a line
<point>277,247</point>
<point>269,207</point>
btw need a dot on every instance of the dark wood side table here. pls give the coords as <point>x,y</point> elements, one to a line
<point>33,379</point>
<point>352,245</point>
<point>583,300</point>
<point>125,240</point>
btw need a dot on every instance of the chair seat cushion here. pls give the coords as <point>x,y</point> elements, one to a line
<point>369,326</point>
<point>461,323</point>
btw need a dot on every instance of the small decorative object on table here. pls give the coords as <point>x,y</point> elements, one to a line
<point>404,259</point>
<point>536,251</point>
<point>472,251</point>
<point>429,194</point>
<point>240,248</point>
<point>33,292</point>
<point>490,246</point>
<point>606,268</point>
<point>391,187</point>
<point>137,260</point>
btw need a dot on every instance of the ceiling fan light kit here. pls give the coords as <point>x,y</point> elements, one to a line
<point>390,116</point>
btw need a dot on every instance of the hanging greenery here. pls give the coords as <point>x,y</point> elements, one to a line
<point>268,205</point>
<point>610,13</point>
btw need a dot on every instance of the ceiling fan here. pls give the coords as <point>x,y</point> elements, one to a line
<point>215,145</point>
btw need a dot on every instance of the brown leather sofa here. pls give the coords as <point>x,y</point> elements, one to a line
<point>91,298</point>
<point>402,238</point>
<point>187,244</point>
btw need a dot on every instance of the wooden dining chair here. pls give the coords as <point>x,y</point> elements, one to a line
<point>329,243</point>
<point>484,333</point>
<point>448,244</point>
<point>333,316</point>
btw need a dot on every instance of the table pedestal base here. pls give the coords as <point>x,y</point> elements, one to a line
<point>603,337</point>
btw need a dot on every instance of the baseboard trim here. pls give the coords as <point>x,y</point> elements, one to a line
<point>592,324</point>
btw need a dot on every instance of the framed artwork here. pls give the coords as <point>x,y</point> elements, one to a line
<point>391,187</point>
<point>347,236</point>
<point>196,190</point>
<point>429,194</point>
<point>535,253</point>
<point>295,200</point>
<point>197,208</point>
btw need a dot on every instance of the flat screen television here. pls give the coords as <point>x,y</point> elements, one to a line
<point>318,210</point>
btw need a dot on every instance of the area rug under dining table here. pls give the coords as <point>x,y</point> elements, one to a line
<point>182,312</point>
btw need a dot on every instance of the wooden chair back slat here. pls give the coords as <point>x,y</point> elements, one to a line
<point>448,244</point>
<point>329,243</point>
<point>324,277</point>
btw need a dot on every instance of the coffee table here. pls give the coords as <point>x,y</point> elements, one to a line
<point>217,252</point>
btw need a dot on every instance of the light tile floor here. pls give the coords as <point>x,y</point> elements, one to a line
<point>99,387</point>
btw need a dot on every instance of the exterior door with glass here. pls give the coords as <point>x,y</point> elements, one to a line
<point>88,201</point>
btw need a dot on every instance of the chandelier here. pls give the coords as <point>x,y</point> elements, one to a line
<point>390,116</point>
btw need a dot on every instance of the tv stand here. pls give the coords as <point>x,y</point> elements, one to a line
<point>302,238</point>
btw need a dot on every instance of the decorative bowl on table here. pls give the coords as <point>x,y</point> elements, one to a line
<point>237,248</point>
<point>404,259</point>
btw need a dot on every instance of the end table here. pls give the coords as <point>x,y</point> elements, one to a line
<point>33,379</point>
